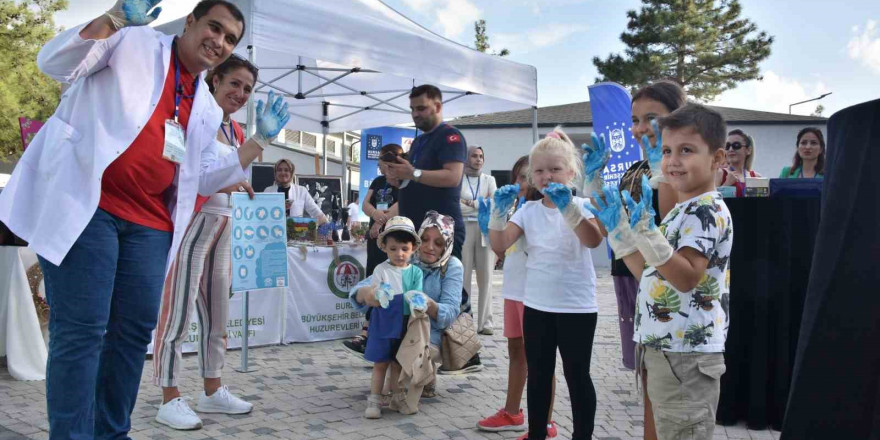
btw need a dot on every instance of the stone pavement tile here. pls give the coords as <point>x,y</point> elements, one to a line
<point>318,390</point>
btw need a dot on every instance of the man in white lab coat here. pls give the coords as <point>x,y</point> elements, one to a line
<point>106,189</point>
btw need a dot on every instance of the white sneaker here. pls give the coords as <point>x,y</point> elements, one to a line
<point>222,401</point>
<point>177,414</point>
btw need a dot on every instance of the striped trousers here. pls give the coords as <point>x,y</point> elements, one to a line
<point>200,277</point>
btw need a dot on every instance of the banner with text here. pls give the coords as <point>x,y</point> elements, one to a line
<point>611,107</point>
<point>372,140</point>
<point>318,308</point>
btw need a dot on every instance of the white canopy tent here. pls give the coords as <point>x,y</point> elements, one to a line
<point>350,65</point>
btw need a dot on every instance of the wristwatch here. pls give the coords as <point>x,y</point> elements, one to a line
<point>417,174</point>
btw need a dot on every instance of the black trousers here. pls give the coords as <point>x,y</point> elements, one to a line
<point>572,333</point>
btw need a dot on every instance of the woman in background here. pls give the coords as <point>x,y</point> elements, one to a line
<point>809,158</point>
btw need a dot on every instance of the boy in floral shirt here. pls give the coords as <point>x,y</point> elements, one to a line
<point>682,305</point>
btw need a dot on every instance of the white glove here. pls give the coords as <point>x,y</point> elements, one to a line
<point>133,13</point>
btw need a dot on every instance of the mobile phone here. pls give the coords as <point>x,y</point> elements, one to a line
<point>391,157</point>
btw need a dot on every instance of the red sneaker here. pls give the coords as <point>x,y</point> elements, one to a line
<point>552,432</point>
<point>503,421</point>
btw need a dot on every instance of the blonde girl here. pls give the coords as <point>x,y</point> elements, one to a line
<point>560,301</point>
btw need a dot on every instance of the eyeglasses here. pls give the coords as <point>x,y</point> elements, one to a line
<point>733,145</point>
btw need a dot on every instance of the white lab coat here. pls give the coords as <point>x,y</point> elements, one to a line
<point>301,201</point>
<point>116,83</point>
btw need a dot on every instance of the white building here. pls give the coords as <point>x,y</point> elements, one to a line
<point>507,136</point>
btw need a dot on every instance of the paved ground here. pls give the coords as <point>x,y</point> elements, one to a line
<point>319,390</point>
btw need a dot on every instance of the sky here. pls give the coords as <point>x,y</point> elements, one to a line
<point>819,46</point>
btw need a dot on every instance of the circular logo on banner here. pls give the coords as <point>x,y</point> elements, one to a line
<point>343,276</point>
<point>618,140</point>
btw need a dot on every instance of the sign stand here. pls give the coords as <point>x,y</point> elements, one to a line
<point>244,338</point>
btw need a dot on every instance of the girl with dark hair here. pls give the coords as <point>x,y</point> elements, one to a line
<point>741,150</point>
<point>809,159</point>
<point>649,103</point>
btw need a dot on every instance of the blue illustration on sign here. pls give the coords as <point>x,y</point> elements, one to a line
<point>259,242</point>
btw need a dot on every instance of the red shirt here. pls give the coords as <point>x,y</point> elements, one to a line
<point>134,186</point>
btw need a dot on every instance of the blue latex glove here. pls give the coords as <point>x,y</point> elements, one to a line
<point>654,152</point>
<point>417,300</point>
<point>610,212</point>
<point>607,210</point>
<point>503,199</point>
<point>484,212</point>
<point>133,13</point>
<point>559,194</point>
<point>641,214</point>
<point>595,158</point>
<point>271,119</point>
<point>384,294</point>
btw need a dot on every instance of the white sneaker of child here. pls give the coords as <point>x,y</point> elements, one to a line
<point>373,410</point>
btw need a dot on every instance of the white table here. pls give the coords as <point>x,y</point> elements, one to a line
<point>22,339</point>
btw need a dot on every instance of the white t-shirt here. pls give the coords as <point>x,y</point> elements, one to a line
<point>473,188</point>
<point>559,269</point>
<point>219,203</point>
<point>514,287</point>
<point>353,212</point>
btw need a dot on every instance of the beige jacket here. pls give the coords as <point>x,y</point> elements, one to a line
<point>414,357</point>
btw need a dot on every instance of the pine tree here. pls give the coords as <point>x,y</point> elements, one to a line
<point>704,45</point>
<point>481,40</point>
<point>24,90</point>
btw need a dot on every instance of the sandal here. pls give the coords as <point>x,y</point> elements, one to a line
<point>430,391</point>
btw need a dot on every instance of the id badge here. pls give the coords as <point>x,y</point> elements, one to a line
<point>382,206</point>
<point>175,143</point>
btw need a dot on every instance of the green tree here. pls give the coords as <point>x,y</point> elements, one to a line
<point>481,40</point>
<point>819,109</point>
<point>704,45</point>
<point>24,91</point>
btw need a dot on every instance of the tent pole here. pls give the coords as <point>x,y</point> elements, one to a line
<point>325,129</point>
<point>345,189</point>
<point>534,124</point>
<point>251,107</point>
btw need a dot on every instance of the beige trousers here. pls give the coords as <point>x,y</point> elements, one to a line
<point>476,256</point>
<point>684,390</point>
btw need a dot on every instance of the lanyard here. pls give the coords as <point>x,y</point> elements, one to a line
<point>473,193</point>
<point>232,139</point>
<point>178,87</point>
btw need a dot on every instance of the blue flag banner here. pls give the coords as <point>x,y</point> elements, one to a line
<point>611,106</point>
<point>372,140</point>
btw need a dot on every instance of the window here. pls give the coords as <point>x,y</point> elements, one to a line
<point>309,140</point>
